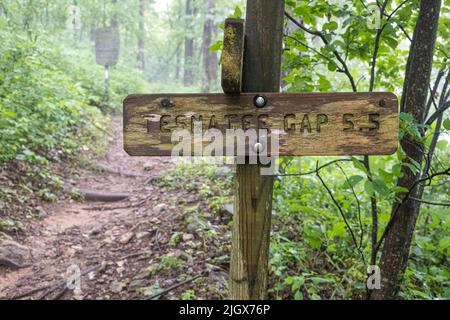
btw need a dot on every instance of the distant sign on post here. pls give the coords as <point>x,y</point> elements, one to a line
<point>107,46</point>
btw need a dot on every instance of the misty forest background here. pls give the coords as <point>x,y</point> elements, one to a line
<point>329,218</point>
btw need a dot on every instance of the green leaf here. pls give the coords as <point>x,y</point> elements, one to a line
<point>289,280</point>
<point>324,84</point>
<point>401,190</point>
<point>446,124</point>
<point>216,46</point>
<point>298,295</point>
<point>338,230</point>
<point>332,25</point>
<point>380,187</point>
<point>393,43</point>
<point>444,245</point>
<point>331,67</point>
<point>237,13</point>
<point>411,167</point>
<point>406,117</point>
<point>320,280</point>
<point>359,165</point>
<point>352,181</point>
<point>368,187</point>
<point>442,145</point>
<point>298,282</point>
<point>386,176</point>
<point>330,47</point>
<point>397,170</point>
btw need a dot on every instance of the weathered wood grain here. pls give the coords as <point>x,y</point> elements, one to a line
<point>253,191</point>
<point>308,124</point>
<point>233,56</point>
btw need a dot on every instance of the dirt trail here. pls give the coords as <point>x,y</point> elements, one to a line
<point>112,244</point>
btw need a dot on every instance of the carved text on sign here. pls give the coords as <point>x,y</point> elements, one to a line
<point>307,124</point>
<point>292,122</point>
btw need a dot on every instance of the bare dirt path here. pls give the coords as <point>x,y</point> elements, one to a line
<point>122,249</point>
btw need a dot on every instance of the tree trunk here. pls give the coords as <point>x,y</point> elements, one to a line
<point>178,64</point>
<point>76,33</point>
<point>141,36</point>
<point>188,47</point>
<point>179,51</point>
<point>209,58</point>
<point>114,22</point>
<point>394,258</point>
<point>253,192</point>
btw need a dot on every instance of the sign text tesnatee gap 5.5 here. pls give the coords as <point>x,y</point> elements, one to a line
<point>307,123</point>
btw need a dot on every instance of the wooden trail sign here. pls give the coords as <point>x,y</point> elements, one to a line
<point>307,123</point>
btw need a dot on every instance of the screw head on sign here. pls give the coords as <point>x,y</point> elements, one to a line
<point>258,147</point>
<point>165,103</point>
<point>382,103</point>
<point>260,101</point>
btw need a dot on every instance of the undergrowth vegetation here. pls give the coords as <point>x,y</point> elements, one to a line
<point>53,111</point>
<point>312,253</point>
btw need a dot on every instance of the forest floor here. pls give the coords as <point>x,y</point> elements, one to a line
<point>131,249</point>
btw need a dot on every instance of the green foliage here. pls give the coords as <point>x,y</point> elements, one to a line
<point>170,262</point>
<point>344,52</point>
<point>312,254</point>
<point>188,295</point>
<point>44,110</point>
<point>312,241</point>
<point>53,104</point>
<point>8,225</point>
<point>350,31</point>
<point>204,174</point>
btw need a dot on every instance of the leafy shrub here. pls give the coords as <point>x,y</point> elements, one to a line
<point>42,108</point>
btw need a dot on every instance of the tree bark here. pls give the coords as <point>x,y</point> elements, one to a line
<point>141,36</point>
<point>253,197</point>
<point>178,63</point>
<point>188,47</point>
<point>114,21</point>
<point>209,58</point>
<point>395,254</point>
<point>179,51</point>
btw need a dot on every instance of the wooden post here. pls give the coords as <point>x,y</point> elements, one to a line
<point>233,56</point>
<point>253,192</point>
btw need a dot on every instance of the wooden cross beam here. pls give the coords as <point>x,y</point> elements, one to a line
<point>308,124</point>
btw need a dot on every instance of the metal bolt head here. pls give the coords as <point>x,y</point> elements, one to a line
<point>165,103</point>
<point>382,103</point>
<point>258,147</point>
<point>260,101</point>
